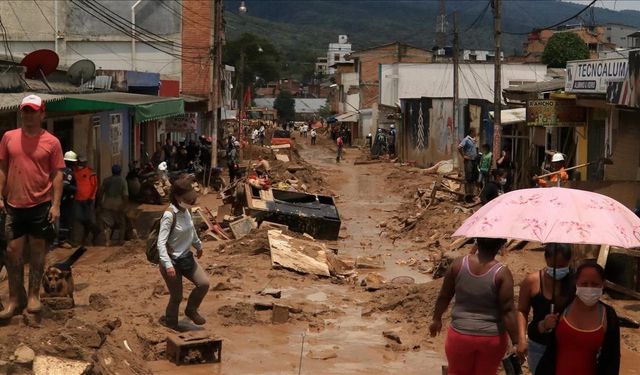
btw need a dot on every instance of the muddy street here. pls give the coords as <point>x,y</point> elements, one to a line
<point>373,322</point>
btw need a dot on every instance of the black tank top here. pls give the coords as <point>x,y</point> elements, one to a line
<point>541,306</point>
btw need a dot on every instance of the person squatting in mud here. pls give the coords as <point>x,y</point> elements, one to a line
<point>176,236</point>
<point>32,204</point>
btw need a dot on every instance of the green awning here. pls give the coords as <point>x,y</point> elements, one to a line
<point>146,107</point>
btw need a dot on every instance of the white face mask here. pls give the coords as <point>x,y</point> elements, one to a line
<point>589,296</point>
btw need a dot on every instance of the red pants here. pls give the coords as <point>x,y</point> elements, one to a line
<point>474,355</point>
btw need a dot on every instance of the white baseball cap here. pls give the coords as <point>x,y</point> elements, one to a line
<point>33,101</point>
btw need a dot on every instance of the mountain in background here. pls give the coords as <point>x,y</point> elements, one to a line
<point>302,29</point>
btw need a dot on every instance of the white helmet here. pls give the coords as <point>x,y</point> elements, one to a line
<point>392,126</point>
<point>557,157</point>
<point>70,156</point>
<point>162,166</point>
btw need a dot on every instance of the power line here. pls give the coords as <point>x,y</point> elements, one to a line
<point>105,20</point>
<point>556,24</point>
<point>20,24</point>
<point>54,29</point>
<point>139,29</point>
<point>6,41</point>
<point>479,18</point>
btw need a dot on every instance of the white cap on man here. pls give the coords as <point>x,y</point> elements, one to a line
<point>32,101</point>
<point>557,157</point>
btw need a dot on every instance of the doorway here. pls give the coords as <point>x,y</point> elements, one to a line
<point>63,130</point>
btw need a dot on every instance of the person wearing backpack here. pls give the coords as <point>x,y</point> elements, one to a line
<point>176,235</point>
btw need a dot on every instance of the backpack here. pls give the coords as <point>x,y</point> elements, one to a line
<point>152,241</point>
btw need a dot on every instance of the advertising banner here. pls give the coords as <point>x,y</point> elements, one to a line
<point>593,76</point>
<point>555,113</point>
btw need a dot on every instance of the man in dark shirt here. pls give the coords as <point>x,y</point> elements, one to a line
<point>493,188</point>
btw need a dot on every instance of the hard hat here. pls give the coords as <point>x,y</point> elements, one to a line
<point>557,157</point>
<point>70,156</point>
<point>162,166</point>
<point>236,143</point>
<point>392,126</point>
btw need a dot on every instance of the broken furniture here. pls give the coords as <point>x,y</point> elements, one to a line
<point>193,348</point>
<point>316,215</point>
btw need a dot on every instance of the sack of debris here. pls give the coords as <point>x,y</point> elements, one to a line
<point>152,240</point>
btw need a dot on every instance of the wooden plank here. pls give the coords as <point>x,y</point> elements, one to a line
<point>621,289</point>
<point>242,227</point>
<point>603,255</point>
<point>299,255</point>
<point>223,211</point>
<point>455,245</point>
<point>281,157</point>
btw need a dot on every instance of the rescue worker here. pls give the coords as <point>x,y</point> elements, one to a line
<point>557,165</point>
<point>84,202</point>
<point>113,199</point>
<point>69,187</point>
<point>392,140</point>
<point>233,162</point>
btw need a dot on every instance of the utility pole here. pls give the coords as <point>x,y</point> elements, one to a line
<point>215,99</point>
<point>497,87</point>
<point>441,32</point>
<point>456,89</point>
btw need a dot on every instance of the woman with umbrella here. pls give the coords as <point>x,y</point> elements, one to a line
<point>550,288</point>
<point>587,337</point>
<point>482,314</point>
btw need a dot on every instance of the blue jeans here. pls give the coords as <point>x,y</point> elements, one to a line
<point>536,351</point>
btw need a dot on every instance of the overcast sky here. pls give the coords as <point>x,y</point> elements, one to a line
<point>612,4</point>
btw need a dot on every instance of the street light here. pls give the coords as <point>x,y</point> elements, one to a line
<point>243,8</point>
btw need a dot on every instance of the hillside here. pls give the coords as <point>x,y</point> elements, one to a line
<point>303,28</point>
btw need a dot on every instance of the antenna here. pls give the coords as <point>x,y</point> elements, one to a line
<point>81,71</point>
<point>441,25</point>
<point>40,64</point>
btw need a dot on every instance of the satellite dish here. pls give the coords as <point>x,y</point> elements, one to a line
<point>81,71</point>
<point>40,63</point>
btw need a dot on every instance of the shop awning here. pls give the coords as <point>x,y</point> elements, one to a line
<point>347,117</point>
<point>11,101</point>
<point>512,116</point>
<point>146,107</point>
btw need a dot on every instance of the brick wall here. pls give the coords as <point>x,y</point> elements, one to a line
<point>370,60</point>
<point>197,31</point>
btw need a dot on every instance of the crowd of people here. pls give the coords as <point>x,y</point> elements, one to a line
<point>571,330</point>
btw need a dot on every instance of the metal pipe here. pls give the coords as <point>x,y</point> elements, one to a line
<point>55,23</point>
<point>133,34</point>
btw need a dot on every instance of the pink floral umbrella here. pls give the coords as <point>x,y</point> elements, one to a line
<point>555,214</point>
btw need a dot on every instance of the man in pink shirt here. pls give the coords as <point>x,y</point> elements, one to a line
<point>31,164</point>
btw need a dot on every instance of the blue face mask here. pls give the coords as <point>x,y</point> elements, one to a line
<point>561,272</point>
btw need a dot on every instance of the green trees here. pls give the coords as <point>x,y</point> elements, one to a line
<point>285,104</point>
<point>253,57</point>
<point>563,47</point>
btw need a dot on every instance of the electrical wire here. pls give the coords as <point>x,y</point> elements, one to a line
<point>479,18</point>
<point>556,24</point>
<point>104,11</point>
<point>6,41</point>
<point>54,30</point>
<point>105,20</point>
<point>20,24</point>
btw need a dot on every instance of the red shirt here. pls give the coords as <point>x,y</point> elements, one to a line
<point>31,160</point>
<point>86,183</point>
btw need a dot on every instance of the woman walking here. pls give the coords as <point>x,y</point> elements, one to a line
<point>587,336</point>
<point>175,238</point>
<point>482,314</point>
<point>537,294</point>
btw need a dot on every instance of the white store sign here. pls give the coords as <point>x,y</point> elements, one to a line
<point>592,76</point>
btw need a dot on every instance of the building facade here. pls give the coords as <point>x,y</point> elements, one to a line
<point>337,52</point>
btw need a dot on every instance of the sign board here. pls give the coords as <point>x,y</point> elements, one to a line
<point>555,113</point>
<point>116,133</point>
<point>626,92</point>
<point>184,123</point>
<point>593,76</point>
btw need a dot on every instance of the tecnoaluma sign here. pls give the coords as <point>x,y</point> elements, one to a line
<point>592,76</point>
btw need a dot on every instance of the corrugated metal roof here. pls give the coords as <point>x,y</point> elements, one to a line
<point>11,101</point>
<point>553,85</point>
<point>512,116</point>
